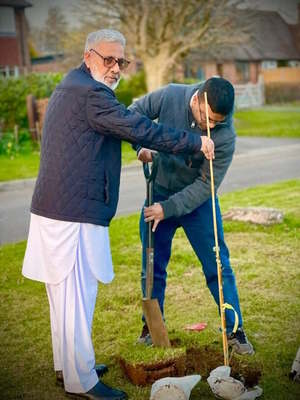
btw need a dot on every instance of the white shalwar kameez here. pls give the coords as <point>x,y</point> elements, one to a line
<point>70,257</point>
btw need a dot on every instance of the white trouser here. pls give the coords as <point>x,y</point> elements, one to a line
<point>72,304</point>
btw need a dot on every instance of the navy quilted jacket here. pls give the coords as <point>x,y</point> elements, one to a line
<point>80,166</point>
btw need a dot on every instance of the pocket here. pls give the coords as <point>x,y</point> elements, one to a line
<point>98,188</point>
<point>96,183</point>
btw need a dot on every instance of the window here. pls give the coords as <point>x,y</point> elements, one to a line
<point>268,64</point>
<point>242,71</point>
<point>220,70</point>
<point>7,21</point>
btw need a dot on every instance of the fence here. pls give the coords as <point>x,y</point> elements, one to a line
<point>9,71</point>
<point>282,74</point>
<point>249,95</point>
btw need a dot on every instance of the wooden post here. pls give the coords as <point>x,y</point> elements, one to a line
<point>38,134</point>
<point>32,116</point>
<point>16,132</point>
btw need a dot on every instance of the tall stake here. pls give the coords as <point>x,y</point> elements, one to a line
<point>219,266</point>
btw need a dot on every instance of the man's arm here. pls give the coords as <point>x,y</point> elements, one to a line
<point>195,194</point>
<point>107,116</point>
<point>149,105</point>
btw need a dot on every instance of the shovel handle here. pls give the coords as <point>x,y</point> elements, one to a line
<point>150,175</point>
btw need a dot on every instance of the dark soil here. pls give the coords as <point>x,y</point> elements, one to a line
<point>200,360</point>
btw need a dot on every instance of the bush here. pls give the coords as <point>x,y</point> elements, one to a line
<point>282,92</point>
<point>13,93</point>
<point>10,145</point>
<point>131,88</point>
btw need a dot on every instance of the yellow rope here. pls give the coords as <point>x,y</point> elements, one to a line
<point>236,317</point>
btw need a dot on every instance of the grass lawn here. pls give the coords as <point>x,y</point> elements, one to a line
<point>267,266</point>
<point>21,166</point>
<point>269,121</point>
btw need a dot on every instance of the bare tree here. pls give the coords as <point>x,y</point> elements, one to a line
<point>159,32</point>
<point>52,36</point>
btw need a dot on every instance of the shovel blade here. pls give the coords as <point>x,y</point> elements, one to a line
<point>155,322</point>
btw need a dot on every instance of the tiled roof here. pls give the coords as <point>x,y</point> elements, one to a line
<point>15,3</point>
<point>271,39</point>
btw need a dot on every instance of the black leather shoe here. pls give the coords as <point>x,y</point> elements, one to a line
<point>101,369</point>
<point>101,392</point>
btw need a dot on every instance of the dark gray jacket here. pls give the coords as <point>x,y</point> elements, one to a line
<point>185,180</point>
<point>80,164</point>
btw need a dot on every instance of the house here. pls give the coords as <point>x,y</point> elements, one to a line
<point>274,42</point>
<point>14,51</point>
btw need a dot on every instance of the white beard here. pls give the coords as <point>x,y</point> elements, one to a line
<point>113,86</point>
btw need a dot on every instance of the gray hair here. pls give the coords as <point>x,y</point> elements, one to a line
<point>104,35</point>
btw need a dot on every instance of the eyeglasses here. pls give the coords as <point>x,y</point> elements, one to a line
<point>203,115</point>
<point>110,61</point>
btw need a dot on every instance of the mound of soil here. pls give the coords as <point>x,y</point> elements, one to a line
<point>201,360</point>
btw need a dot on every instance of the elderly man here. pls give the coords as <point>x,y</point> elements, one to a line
<point>76,196</point>
<point>183,195</point>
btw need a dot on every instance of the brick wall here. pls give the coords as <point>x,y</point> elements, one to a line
<point>14,49</point>
<point>9,54</point>
<point>229,72</point>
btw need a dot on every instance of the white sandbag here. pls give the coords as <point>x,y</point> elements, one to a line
<point>173,388</point>
<point>225,387</point>
<point>295,371</point>
<point>251,394</point>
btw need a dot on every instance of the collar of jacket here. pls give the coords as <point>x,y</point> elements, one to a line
<point>83,67</point>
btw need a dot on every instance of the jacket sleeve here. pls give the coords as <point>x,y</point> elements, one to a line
<point>149,105</point>
<point>108,117</point>
<point>195,194</point>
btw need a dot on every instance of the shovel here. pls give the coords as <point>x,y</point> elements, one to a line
<point>151,310</point>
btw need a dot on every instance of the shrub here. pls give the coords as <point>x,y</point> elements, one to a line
<point>10,145</point>
<point>282,92</point>
<point>13,93</point>
<point>131,88</point>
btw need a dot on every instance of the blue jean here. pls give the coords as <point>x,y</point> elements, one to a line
<point>198,227</point>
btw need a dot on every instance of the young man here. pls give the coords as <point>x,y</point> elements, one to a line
<point>76,197</point>
<point>182,192</point>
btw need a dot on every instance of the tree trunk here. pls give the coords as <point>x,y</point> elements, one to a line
<point>156,69</point>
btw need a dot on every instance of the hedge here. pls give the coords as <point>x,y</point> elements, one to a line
<point>282,92</point>
<point>13,93</point>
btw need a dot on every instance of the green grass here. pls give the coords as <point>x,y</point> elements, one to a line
<point>128,154</point>
<point>20,166</point>
<point>269,121</point>
<point>267,267</point>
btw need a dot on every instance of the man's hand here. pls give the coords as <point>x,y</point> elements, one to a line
<point>208,147</point>
<point>154,213</point>
<point>145,155</point>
